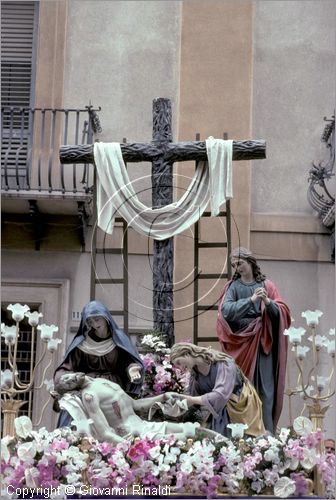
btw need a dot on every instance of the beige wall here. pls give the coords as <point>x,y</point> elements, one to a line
<point>215,97</point>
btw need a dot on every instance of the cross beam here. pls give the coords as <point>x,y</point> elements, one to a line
<point>172,151</point>
<point>162,153</point>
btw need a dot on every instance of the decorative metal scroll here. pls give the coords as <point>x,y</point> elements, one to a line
<point>320,182</point>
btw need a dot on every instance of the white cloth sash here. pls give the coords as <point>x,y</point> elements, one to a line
<point>212,182</point>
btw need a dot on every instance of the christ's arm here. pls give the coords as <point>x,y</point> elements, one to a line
<point>146,403</point>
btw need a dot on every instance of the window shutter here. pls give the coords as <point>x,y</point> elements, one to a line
<point>17,82</point>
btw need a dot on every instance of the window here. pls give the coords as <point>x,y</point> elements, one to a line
<point>18,41</point>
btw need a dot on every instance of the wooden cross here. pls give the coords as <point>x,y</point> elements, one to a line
<point>162,153</point>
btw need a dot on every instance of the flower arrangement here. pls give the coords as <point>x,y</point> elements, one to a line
<point>281,465</point>
<point>160,375</point>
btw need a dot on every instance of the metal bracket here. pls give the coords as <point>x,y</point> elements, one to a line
<point>38,223</point>
<point>83,219</point>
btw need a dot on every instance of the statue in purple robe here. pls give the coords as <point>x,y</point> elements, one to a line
<point>218,384</point>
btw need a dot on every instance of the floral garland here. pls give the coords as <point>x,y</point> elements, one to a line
<point>281,465</point>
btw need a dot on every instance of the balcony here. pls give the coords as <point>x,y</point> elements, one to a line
<point>35,186</point>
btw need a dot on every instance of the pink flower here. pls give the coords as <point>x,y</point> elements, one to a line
<point>59,444</point>
<point>313,438</point>
<point>139,450</point>
<point>148,361</point>
<point>104,448</point>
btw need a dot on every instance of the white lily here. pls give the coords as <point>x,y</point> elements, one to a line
<point>320,340</point>
<point>47,331</point>
<point>33,317</point>
<point>302,426</point>
<point>330,345</point>
<point>5,454</point>
<point>309,458</point>
<point>6,378</point>
<point>284,487</point>
<point>237,430</point>
<point>312,317</point>
<point>23,426</point>
<point>321,382</point>
<point>301,351</point>
<point>26,451</point>
<point>284,433</point>
<point>52,344</point>
<point>9,334</point>
<point>295,334</point>
<point>18,311</point>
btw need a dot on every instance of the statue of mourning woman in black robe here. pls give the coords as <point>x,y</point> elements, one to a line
<point>101,349</point>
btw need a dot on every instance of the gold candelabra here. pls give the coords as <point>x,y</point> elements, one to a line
<point>12,387</point>
<point>315,389</point>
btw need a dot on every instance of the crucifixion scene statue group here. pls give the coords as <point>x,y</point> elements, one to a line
<point>168,253</point>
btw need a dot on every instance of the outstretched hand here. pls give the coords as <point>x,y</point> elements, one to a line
<point>172,396</point>
<point>134,373</point>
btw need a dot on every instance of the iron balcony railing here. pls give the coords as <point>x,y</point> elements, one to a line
<point>31,138</point>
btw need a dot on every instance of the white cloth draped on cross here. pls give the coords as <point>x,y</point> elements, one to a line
<point>212,182</point>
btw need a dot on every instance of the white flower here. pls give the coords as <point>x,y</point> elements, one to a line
<point>31,475</point>
<point>186,466</point>
<point>47,331</point>
<point>23,426</point>
<point>284,487</point>
<point>33,317</point>
<point>332,331</point>
<point>73,478</point>
<point>330,345</point>
<point>301,351</point>
<point>26,451</point>
<point>237,430</point>
<point>52,344</point>
<point>320,340</point>
<point>302,426</point>
<point>284,433</point>
<point>9,334</point>
<point>154,452</point>
<point>148,340</point>
<point>272,455</point>
<point>295,334</point>
<point>309,458</point>
<point>5,455</point>
<point>6,378</point>
<point>321,382</point>
<point>18,311</point>
<point>312,317</point>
